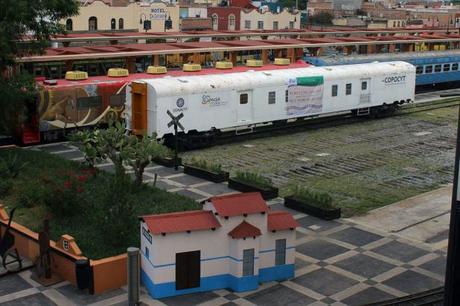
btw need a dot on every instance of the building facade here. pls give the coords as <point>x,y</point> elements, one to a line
<point>100,16</point>
<point>255,20</point>
<point>235,242</point>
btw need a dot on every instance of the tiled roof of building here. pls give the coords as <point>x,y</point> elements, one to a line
<point>281,220</point>
<point>181,222</point>
<point>244,230</point>
<point>239,204</point>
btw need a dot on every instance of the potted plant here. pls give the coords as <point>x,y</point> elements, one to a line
<point>167,160</point>
<point>206,170</point>
<point>248,182</point>
<point>312,203</point>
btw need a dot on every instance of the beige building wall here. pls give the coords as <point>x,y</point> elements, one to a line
<point>131,15</point>
<point>250,20</point>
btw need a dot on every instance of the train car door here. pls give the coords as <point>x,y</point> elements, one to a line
<point>244,107</point>
<point>365,96</point>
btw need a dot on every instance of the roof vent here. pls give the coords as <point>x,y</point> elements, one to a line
<point>118,72</point>
<point>157,70</point>
<point>254,63</point>
<point>224,65</point>
<point>282,61</point>
<point>191,67</point>
<point>76,75</point>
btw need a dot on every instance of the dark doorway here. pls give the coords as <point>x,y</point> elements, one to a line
<point>187,270</point>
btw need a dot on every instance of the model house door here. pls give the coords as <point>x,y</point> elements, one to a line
<point>187,270</point>
<point>244,107</point>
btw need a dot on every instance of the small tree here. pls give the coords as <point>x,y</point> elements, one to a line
<point>322,18</point>
<point>139,152</point>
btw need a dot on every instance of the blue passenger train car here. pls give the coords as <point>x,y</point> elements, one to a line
<point>433,67</point>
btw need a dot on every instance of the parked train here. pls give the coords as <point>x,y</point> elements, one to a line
<point>241,102</point>
<point>432,68</point>
<point>62,105</point>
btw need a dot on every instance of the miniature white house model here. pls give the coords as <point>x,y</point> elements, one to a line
<point>235,242</point>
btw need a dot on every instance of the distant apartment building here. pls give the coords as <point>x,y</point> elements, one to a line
<point>254,20</point>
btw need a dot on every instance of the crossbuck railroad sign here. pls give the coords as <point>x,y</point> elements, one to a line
<point>175,122</point>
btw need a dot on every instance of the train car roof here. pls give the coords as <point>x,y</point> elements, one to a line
<point>384,57</point>
<point>172,73</point>
<point>255,79</point>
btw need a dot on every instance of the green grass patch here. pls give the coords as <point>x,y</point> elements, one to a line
<point>205,165</point>
<point>311,197</point>
<point>254,179</point>
<point>94,207</point>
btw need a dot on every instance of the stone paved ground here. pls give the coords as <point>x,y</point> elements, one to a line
<point>337,263</point>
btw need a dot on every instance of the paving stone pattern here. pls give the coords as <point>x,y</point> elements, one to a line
<point>337,263</point>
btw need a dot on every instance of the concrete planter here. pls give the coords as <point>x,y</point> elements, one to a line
<point>166,161</point>
<point>313,210</point>
<point>206,174</point>
<point>267,193</point>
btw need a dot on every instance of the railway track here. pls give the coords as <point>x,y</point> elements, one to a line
<point>432,297</point>
<point>328,121</point>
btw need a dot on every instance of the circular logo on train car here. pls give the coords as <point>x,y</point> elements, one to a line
<point>180,102</point>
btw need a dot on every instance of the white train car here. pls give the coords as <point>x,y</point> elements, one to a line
<point>241,101</point>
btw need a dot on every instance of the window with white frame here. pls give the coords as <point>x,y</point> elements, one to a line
<point>260,25</point>
<point>248,262</point>
<point>247,24</point>
<point>272,97</point>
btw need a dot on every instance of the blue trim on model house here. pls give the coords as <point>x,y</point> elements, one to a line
<point>215,282</point>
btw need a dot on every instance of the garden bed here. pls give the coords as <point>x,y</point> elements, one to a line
<point>216,177</point>
<point>94,217</point>
<point>266,192</point>
<point>326,213</point>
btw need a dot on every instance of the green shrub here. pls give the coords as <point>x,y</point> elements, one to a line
<point>206,165</point>
<point>33,193</point>
<point>11,166</point>
<point>253,179</point>
<point>5,187</point>
<point>314,198</point>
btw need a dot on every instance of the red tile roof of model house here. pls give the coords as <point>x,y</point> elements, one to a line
<point>244,230</point>
<point>239,204</point>
<point>281,220</point>
<point>194,220</point>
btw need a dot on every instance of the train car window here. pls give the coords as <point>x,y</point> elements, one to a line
<point>89,102</point>
<point>446,67</point>
<point>428,69</point>
<point>419,70</point>
<point>364,85</point>
<point>244,98</point>
<point>272,97</point>
<point>437,68</point>
<point>348,89</point>
<point>287,96</point>
<point>335,90</point>
<point>455,66</point>
<point>117,100</point>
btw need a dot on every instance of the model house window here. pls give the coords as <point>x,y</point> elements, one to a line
<point>280,252</point>
<point>287,96</point>
<point>428,69</point>
<point>247,24</point>
<point>419,70</point>
<point>437,68</point>
<point>69,25</point>
<point>121,24</point>
<point>244,98</point>
<point>272,97</point>
<point>335,90</point>
<point>215,22</point>
<point>89,102</point>
<point>455,66</point>
<point>291,25</point>
<point>92,24</point>
<point>147,252</point>
<point>117,100</point>
<point>248,262</point>
<point>446,67</point>
<point>260,25</point>
<point>275,25</point>
<point>364,85</point>
<point>231,21</point>
<point>113,24</point>
<point>348,89</point>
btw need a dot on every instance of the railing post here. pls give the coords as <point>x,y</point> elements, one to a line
<point>133,277</point>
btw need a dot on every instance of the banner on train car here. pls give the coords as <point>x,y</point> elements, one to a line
<point>305,95</point>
